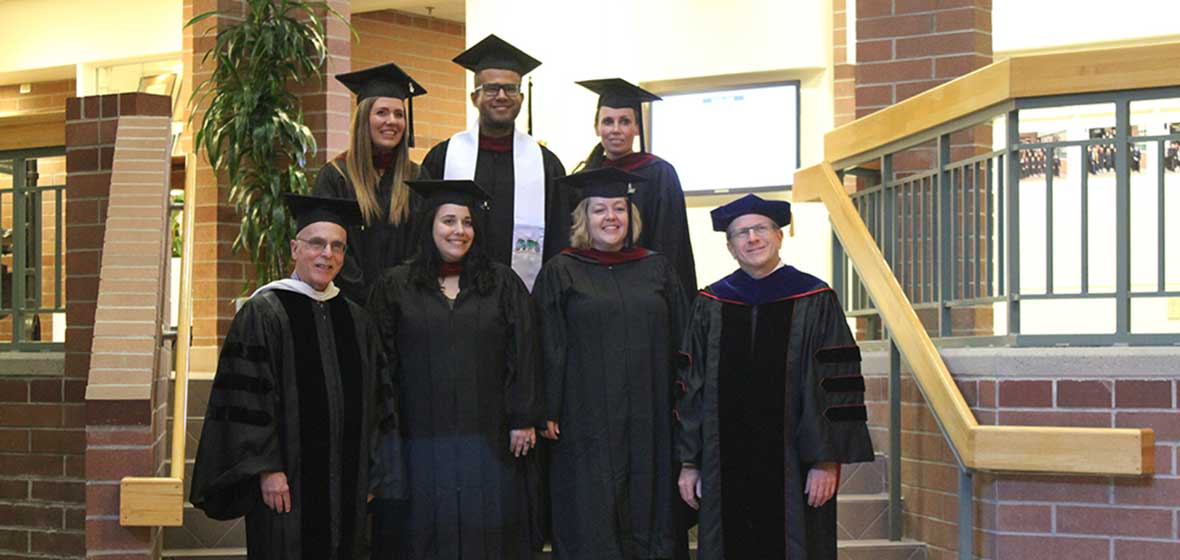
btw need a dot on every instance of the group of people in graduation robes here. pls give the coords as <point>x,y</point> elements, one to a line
<point>478,370</point>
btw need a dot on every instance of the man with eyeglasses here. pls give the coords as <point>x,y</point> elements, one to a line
<point>298,404</point>
<point>529,219</point>
<point>770,400</point>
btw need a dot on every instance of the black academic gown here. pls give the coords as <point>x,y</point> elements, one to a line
<point>494,172</point>
<point>375,247</point>
<point>772,387</point>
<point>610,334</point>
<point>665,220</point>
<point>297,390</point>
<point>466,376</point>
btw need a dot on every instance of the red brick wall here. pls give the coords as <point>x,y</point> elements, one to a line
<point>100,452</point>
<point>423,47</point>
<point>1024,516</point>
<point>905,47</point>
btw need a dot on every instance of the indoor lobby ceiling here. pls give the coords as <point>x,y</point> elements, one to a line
<point>454,10</point>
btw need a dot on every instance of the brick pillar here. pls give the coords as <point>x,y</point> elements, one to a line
<point>423,46</point>
<point>219,275</point>
<point>905,47</point>
<point>119,439</point>
<point>327,104</point>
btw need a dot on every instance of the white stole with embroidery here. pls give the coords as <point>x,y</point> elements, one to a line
<point>528,194</point>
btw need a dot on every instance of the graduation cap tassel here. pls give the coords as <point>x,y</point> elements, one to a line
<point>627,240</point>
<point>530,105</point>
<point>410,115</point>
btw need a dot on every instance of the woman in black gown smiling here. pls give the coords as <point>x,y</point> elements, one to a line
<point>373,172</point>
<point>611,317</point>
<point>458,331</point>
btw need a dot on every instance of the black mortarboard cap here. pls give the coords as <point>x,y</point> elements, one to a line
<point>605,182</point>
<point>618,93</point>
<point>777,210</point>
<point>452,191</point>
<point>311,209</point>
<point>386,80</point>
<point>494,52</point>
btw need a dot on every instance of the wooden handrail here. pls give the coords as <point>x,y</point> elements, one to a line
<point>1110,451</point>
<point>1021,76</point>
<point>184,323</point>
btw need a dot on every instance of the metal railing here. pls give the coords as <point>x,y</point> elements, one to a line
<point>955,237</point>
<point>31,286</point>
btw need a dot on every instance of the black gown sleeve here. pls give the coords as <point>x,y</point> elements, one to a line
<point>558,206</point>
<point>832,425</point>
<point>669,232</point>
<point>548,294</point>
<point>241,435</point>
<point>523,359</point>
<point>435,161</point>
<point>690,401</point>
<point>388,480</point>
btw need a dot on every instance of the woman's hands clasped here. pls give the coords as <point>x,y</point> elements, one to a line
<point>521,441</point>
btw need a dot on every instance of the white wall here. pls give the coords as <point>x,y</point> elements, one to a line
<point>52,33</point>
<point>653,40</point>
<point>1021,25</point>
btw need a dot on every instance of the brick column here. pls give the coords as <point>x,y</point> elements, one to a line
<point>122,428</point>
<point>219,275</point>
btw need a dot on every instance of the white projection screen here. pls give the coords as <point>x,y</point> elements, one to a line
<point>734,139</point>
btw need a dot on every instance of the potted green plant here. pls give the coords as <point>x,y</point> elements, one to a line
<point>252,128</point>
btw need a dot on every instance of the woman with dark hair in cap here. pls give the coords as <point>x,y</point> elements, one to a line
<point>458,330</point>
<point>374,171</point>
<point>617,121</point>
<point>611,317</point>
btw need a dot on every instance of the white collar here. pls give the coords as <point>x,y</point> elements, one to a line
<point>294,284</point>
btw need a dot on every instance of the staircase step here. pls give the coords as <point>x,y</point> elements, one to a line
<point>865,478</point>
<point>862,516</point>
<point>881,549</point>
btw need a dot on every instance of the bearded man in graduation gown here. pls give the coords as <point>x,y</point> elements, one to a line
<point>771,400</point>
<point>529,221</point>
<point>297,406</point>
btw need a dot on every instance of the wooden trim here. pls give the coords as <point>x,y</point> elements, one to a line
<point>820,182</point>
<point>151,502</point>
<point>184,323</point>
<point>1096,70</point>
<point>1113,69</point>
<point>1107,451</point>
<point>747,79</point>
<point>33,130</point>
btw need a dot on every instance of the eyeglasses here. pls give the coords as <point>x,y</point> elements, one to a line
<point>318,244</point>
<point>493,90</point>
<point>761,230</point>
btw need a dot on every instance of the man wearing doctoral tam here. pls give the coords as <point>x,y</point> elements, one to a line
<point>770,399</point>
<point>297,406</point>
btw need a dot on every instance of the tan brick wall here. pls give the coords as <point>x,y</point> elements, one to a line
<point>42,97</point>
<point>423,47</point>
